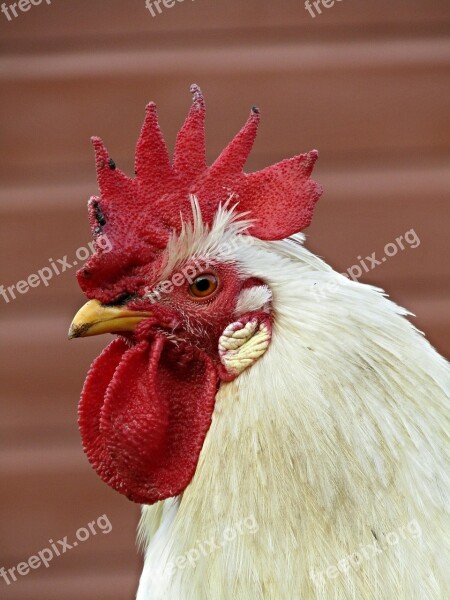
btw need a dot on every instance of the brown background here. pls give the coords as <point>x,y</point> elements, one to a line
<point>365,82</point>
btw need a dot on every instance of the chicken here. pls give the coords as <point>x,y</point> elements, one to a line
<point>285,444</point>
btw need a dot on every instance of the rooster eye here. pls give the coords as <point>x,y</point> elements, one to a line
<point>203,286</point>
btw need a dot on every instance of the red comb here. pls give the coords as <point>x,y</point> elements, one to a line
<point>137,215</point>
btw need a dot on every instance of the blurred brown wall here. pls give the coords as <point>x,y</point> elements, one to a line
<point>365,82</point>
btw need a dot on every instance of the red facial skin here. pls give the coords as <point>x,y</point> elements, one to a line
<point>200,321</point>
<point>148,400</point>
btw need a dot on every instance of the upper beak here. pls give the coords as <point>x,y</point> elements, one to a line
<point>95,318</point>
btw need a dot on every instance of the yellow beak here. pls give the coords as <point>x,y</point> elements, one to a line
<point>94,318</point>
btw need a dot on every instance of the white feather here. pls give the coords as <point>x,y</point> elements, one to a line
<point>335,437</point>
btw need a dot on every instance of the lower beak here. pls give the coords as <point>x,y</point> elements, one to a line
<point>95,318</point>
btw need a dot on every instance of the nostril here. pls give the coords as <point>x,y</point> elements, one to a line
<point>122,299</point>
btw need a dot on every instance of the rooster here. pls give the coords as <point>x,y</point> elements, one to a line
<point>283,426</point>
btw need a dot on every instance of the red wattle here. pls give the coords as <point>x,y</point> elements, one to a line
<point>143,415</point>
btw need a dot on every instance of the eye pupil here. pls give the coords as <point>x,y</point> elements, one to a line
<point>204,286</point>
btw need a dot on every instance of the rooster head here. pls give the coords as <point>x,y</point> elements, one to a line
<point>186,316</point>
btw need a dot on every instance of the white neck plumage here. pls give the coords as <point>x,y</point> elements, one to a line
<point>317,458</point>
